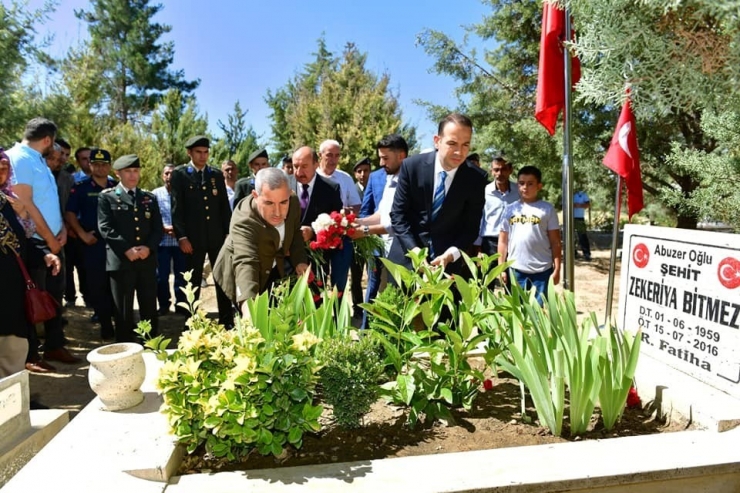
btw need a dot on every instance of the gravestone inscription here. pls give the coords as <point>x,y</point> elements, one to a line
<point>682,288</point>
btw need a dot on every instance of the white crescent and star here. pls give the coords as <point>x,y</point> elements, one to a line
<point>638,255</point>
<point>623,137</point>
<point>733,273</point>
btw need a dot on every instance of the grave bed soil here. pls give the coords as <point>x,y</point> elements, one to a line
<point>494,422</point>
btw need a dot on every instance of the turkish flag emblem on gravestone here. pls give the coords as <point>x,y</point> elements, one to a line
<point>728,272</point>
<point>640,255</point>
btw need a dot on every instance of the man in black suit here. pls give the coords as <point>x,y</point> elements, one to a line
<point>439,199</point>
<point>130,222</point>
<point>318,195</point>
<point>200,217</point>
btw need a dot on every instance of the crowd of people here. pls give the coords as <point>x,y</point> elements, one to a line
<point>125,242</point>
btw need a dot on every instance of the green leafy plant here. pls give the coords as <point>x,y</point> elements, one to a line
<point>619,354</point>
<point>235,391</point>
<point>386,306</point>
<point>429,334</point>
<point>532,355</point>
<point>291,304</point>
<point>349,377</point>
<point>251,388</point>
<point>366,248</point>
<point>546,349</point>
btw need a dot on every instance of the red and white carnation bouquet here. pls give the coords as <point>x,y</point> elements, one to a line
<point>331,229</point>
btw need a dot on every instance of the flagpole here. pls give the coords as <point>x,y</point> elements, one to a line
<point>567,183</point>
<point>613,256</point>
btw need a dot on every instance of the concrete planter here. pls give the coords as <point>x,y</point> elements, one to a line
<point>116,374</point>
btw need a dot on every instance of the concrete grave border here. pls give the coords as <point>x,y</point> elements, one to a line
<point>132,451</point>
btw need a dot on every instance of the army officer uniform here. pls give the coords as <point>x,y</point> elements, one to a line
<point>126,219</point>
<point>201,214</point>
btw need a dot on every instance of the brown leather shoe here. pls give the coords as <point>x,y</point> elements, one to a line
<point>62,355</point>
<point>39,366</point>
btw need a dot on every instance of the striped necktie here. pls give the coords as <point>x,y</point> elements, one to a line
<point>439,195</point>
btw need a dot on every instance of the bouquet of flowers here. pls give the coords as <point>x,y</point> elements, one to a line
<point>330,230</point>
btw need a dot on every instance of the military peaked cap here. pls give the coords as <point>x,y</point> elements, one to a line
<point>127,161</point>
<point>258,153</point>
<point>99,155</point>
<point>362,161</point>
<point>197,141</point>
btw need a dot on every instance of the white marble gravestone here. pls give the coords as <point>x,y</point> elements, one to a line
<point>15,420</point>
<point>23,433</point>
<point>682,288</point>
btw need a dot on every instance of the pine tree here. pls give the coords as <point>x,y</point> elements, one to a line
<point>238,142</point>
<point>132,63</point>
<point>682,61</point>
<point>175,121</point>
<point>337,98</point>
<point>18,49</point>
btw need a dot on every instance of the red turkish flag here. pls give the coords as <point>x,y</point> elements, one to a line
<point>551,75</point>
<point>623,157</point>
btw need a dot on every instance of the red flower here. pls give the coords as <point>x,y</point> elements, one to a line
<point>316,297</point>
<point>633,400</point>
<point>487,384</point>
<point>311,276</point>
<point>331,236</point>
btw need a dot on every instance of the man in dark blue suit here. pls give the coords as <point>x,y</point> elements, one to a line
<point>318,195</point>
<point>439,199</point>
<point>377,203</point>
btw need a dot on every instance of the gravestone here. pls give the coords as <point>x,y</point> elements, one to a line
<point>682,288</point>
<point>15,419</point>
<point>23,433</point>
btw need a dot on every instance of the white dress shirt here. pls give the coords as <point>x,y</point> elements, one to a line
<point>347,188</point>
<point>454,251</point>
<point>384,209</point>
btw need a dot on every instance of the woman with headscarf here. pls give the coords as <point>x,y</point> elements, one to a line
<point>15,228</point>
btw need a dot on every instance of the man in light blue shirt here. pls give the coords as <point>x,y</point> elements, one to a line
<point>499,193</point>
<point>169,256</point>
<point>36,187</point>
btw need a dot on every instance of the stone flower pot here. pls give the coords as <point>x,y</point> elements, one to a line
<point>116,373</point>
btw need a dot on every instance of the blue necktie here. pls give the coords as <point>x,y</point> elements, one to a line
<point>439,195</point>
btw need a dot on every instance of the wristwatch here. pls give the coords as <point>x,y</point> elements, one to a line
<point>366,230</point>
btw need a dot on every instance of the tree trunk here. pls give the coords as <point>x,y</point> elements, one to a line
<point>686,222</point>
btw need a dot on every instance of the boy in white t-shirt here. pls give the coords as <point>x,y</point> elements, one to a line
<point>530,236</point>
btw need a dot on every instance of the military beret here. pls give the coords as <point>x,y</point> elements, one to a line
<point>99,155</point>
<point>197,141</point>
<point>362,161</point>
<point>258,153</point>
<point>127,161</point>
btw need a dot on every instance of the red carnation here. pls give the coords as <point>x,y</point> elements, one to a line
<point>351,231</point>
<point>351,217</point>
<point>633,400</point>
<point>487,384</point>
